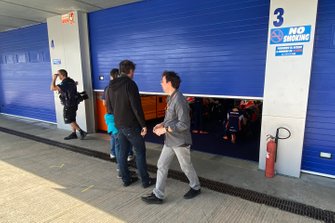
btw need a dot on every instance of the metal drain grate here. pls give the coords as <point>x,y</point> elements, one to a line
<point>285,205</point>
<point>73,148</point>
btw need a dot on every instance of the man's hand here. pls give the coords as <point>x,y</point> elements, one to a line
<point>160,131</point>
<point>160,125</point>
<point>144,131</point>
<point>53,86</point>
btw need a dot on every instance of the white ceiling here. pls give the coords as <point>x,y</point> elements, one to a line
<point>20,13</point>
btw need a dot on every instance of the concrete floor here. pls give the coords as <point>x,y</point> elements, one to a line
<point>42,183</point>
<point>311,190</point>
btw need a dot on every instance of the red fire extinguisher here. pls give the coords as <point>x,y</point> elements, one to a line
<point>271,149</point>
<point>271,152</point>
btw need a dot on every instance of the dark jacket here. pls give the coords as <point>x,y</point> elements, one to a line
<point>124,101</point>
<point>68,92</point>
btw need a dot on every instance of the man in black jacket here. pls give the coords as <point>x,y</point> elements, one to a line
<point>123,100</point>
<point>68,96</point>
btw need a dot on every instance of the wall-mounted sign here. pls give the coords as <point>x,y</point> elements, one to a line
<point>56,61</point>
<point>292,50</point>
<point>294,34</point>
<point>68,18</point>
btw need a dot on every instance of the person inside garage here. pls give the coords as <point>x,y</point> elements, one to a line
<point>234,124</point>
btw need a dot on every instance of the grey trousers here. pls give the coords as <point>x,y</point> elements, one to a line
<point>164,161</point>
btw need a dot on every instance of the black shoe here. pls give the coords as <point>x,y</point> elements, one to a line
<point>73,135</point>
<point>83,134</point>
<point>192,193</point>
<point>152,199</point>
<point>132,180</point>
<point>151,182</point>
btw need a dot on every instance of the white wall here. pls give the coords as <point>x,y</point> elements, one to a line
<point>71,47</point>
<point>286,87</point>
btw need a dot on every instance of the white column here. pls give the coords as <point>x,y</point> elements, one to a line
<point>69,50</point>
<point>287,78</point>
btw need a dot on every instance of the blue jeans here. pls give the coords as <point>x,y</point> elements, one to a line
<point>132,137</point>
<point>115,148</point>
<point>114,143</point>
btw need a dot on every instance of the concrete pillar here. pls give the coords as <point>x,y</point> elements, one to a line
<point>69,50</point>
<point>287,78</point>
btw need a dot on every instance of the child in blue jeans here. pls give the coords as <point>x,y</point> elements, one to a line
<point>114,142</point>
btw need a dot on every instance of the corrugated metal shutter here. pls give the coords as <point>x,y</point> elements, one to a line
<point>25,73</point>
<point>320,124</point>
<point>218,46</point>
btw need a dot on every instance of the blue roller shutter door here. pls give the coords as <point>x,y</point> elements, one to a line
<point>25,74</point>
<point>320,123</point>
<point>218,46</point>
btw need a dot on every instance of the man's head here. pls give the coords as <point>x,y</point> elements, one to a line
<point>127,67</point>
<point>114,73</point>
<point>170,81</point>
<point>62,74</point>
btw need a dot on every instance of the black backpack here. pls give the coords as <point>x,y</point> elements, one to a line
<point>70,96</point>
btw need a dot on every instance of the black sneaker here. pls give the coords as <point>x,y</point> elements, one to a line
<point>151,182</point>
<point>132,180</point>
<point>73,135</point>
<point>83,134</point>
<point>192,193</point>
<point>152,199</point>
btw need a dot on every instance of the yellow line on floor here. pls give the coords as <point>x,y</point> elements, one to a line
<point>87,188</point>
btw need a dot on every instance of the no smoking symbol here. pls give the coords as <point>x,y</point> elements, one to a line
<point>277,36</point>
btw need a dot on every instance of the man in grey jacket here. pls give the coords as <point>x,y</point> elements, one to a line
<point>176,128</point>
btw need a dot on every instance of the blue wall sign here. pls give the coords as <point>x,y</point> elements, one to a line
<point>293,50</point>
<point>294,34</point>
<point>56,61</point>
